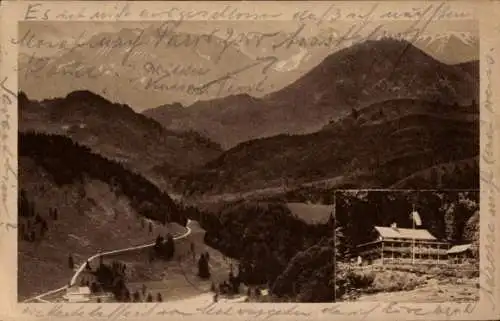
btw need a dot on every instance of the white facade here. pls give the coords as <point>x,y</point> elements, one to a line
<point>77,294</point>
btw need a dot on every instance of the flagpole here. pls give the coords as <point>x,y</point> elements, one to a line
<point>413,226</point>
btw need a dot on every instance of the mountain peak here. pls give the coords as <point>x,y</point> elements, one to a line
<point>387,46</point>
<point>85,95</point>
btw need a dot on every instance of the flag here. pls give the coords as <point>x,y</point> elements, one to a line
<point>416,218</point>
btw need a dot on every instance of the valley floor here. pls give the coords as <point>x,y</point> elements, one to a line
<point>177,279</point>
<point>43,267</point>
<point>174,280</point>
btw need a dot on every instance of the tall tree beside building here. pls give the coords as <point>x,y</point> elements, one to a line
<point>471,233</point>
<point>203,267</point>
<point>169,246</point>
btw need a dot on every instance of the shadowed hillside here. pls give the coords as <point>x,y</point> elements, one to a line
<point>73,202</point>
<point>378,146</point>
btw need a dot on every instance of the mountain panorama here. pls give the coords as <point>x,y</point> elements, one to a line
<point>215,187</point>
<point>138,63</point>
<point>376,95</point>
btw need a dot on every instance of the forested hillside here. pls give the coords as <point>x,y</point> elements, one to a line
<point>74,202</point>
<point>271,243</point>
<point>68,163</point>
<point>407,143</point>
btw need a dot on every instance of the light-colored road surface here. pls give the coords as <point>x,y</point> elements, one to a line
<point>39,298</point>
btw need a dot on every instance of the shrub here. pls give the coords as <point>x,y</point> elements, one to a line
<point>361,279</point>
<point>390,281</point>
<point>351,283</point>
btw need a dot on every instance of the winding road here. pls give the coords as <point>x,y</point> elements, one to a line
<point>39,298</point>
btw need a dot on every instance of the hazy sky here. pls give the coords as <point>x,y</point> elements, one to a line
<point>293,62</point>
<point>59,30</point>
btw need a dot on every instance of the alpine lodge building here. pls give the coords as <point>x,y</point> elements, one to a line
<point>394,245</point>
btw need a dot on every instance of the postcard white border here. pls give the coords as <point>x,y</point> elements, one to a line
<point>486,308</point>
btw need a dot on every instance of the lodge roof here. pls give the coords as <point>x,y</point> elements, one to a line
<point>459,248</point>
<point>404,233</point>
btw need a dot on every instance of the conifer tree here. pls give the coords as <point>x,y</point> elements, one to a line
<point>137,296</point>
<point>203,267</point>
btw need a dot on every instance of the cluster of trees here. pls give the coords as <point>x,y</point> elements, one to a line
<point>111,278</point>
<point>145,296</point>
<point>230,286</point>
<point>32,225</point>
<point>70,162</point>
<point>448,215</point>
<point>310,275</point>
<point>164,247</point>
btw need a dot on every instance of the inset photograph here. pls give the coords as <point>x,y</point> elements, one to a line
<point>407,246</point>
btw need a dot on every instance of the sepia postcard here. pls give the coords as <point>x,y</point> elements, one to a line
<point>249,160</point>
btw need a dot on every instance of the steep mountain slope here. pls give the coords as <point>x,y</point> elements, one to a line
<point>349,78</point>
<point>73,202</point>
<point>373,147</point>
<point>117,132</point>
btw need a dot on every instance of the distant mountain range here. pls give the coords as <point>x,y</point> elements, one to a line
<point>354,77</point>
<point>118,64</point>
<point>118,133</point>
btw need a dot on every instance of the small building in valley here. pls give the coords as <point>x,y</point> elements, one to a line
<point>77,294</point>
<point>459,254</point>
<point>394,245</point>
